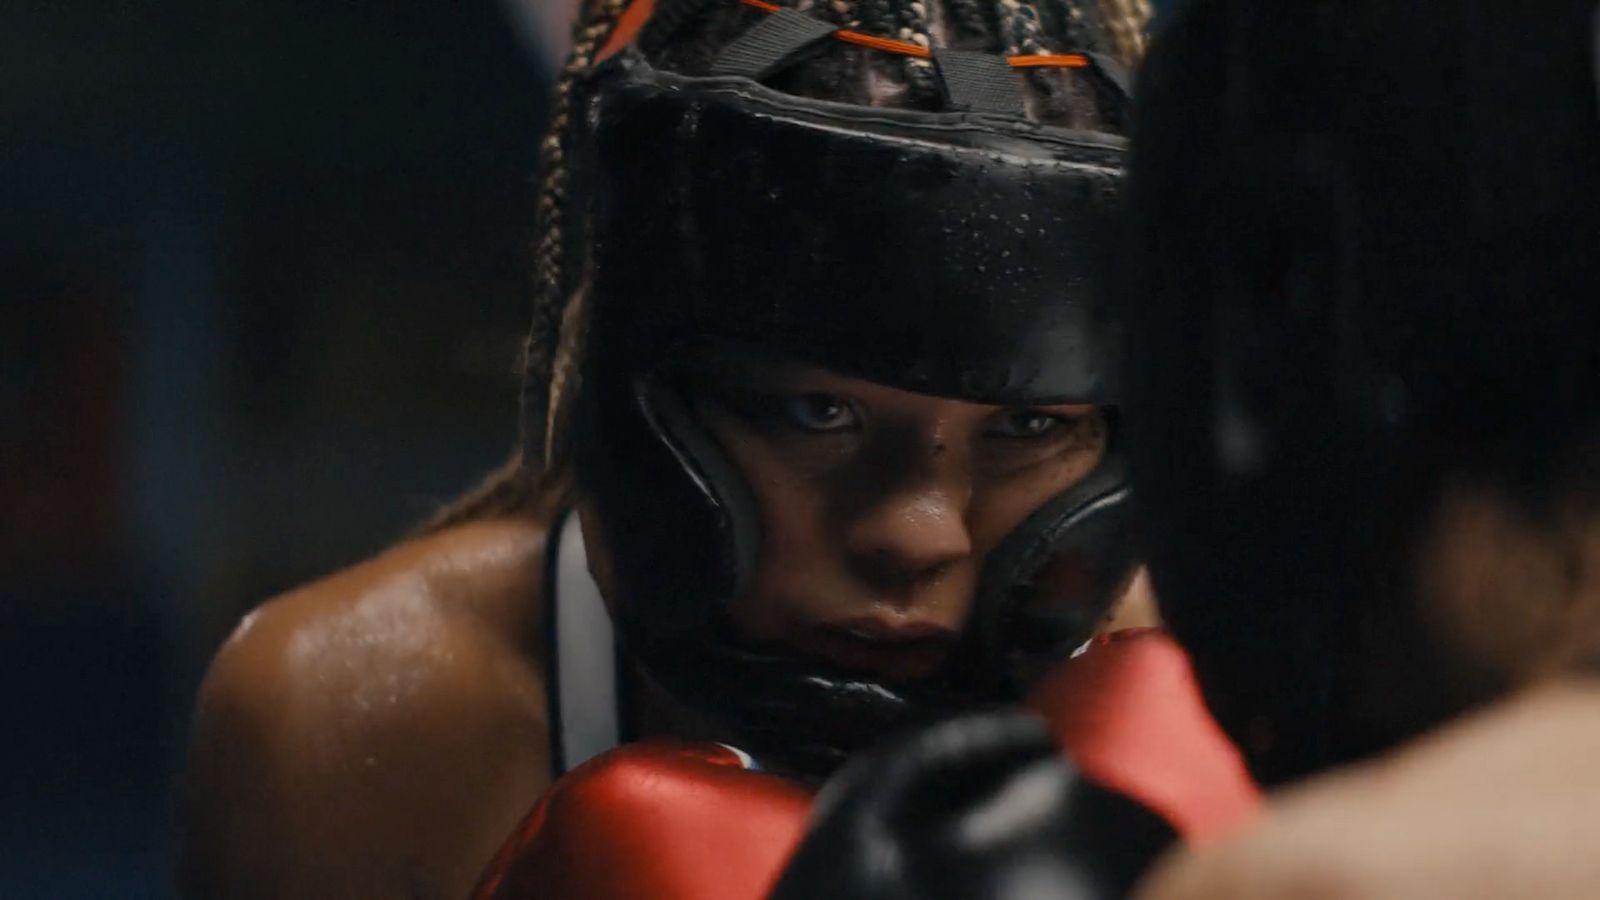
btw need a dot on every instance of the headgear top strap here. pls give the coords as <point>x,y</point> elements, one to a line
<point>978,82</point>
<point>971,82</point>
<point>771,44</point>
<point>1113,71</point>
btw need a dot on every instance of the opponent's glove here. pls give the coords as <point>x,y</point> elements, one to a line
<point>982,806</point>
<point>987,807</point>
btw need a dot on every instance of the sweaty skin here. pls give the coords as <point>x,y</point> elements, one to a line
<point>378,733</point>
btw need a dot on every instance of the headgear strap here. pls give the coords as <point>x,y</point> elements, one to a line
<point>1112,70</point>
<point>773,43</point>
<point>978,82</point>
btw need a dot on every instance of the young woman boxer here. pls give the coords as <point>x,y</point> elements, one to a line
<point>820,444</point>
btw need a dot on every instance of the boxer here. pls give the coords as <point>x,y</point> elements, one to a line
<point>821,443</point>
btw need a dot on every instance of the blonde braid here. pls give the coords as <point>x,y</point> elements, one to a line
<point>566,380</point>
<point>914,28</point>
<point>1019,31</point>
<point>529,483</point>
<point>595,25</point>
<point>1129,23</point>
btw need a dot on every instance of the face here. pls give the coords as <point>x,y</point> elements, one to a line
<point>879,506</point>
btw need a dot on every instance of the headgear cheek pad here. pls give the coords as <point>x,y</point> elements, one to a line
<point>947,254</point>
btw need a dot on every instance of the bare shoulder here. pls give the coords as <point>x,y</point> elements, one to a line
<point>376,733</point>
<point>1499,803</point>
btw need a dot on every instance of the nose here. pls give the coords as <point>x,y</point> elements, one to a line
<point>910,537</point>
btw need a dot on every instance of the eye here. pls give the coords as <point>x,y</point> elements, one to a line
<point>819,413</point>
<point>1024,424</point>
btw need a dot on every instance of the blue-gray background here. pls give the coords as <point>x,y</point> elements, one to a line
<point>261,285</point>
<point>261,281</point>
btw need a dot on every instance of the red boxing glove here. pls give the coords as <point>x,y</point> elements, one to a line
<point>1130,716</point>
<point>676,820</point>
<point>659,819</point>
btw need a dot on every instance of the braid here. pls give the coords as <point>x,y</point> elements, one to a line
<point>674,23</point>
<point>911,22</point>
<point>540,392</point>
<point>850,74</point>
<point>1128,22</point>
<point>971,20</point>
<point>1019,27</point>
<point>876,16</point>
<point>685,36</point>
<point>1065,20</point>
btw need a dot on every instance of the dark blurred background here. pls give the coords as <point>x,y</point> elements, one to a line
<point>261,292</point>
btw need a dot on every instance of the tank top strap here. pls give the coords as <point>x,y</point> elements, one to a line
<point>585,714</point>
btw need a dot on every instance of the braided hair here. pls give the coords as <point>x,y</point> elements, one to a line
<point>685,36</point>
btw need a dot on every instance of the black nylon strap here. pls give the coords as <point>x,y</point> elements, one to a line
<point>771,44</point>
<point>979,82</point>
<point>1113,71</point>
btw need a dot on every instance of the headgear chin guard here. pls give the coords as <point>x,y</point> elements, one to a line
<point>948,254</point>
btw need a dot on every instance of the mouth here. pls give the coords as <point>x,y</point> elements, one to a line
<point>894,650</point>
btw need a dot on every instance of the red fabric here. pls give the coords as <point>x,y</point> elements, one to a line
<point>657,819</point>
<point>670,820</point>
<point>1130,716</point>
<point>633,20</point>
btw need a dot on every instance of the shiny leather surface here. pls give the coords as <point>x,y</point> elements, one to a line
<point>944,253</point>
<point>656,819</point>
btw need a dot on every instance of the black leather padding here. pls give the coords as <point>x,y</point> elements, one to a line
<point>979,806</point>
<point>1114,72</point>
<point>773,43</point>
<point>804,229</point>
<point>951,254</point>
<point>979,82</point>
<point>1022,617</point>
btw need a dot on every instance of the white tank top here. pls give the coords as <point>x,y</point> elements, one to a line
<point>584,698</point>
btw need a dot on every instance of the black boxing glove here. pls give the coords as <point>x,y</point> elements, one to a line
<point>982,806</point>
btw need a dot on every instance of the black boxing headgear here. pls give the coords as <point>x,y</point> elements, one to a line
<point>946,253</point>
<point>1365,260</point>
